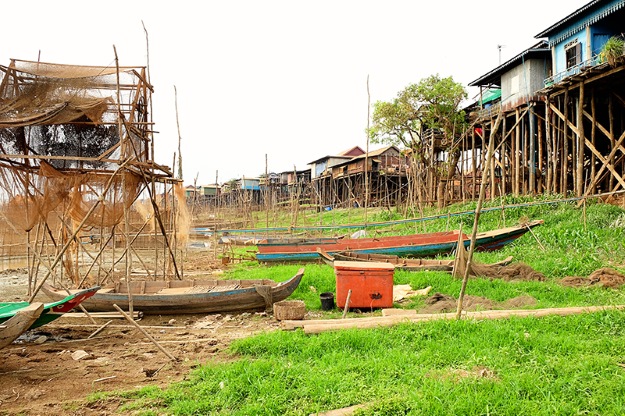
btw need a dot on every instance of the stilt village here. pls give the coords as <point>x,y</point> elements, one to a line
<point>117,276</point>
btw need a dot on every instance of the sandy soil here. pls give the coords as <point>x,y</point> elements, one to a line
<point>41,374</point>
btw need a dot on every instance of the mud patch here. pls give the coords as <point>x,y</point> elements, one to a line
<point>440,303</point>
<point>518,302</point>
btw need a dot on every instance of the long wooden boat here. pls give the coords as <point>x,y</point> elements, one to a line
<point>189,296</point>
<point>414,245</point>
<point>51,311</point>
<point>402,263</point>
<point>19,323</point>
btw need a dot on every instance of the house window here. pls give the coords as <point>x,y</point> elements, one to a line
<point>514,85</point>
<point>573,54</point>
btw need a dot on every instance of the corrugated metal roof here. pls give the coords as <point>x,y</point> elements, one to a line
<point>580,18</point>
<point>539,50</point>
<point>329,157</point>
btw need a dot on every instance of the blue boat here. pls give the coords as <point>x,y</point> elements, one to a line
<point>413,245</point>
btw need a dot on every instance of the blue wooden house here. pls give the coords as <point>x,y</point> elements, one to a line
<point>559,123</point>
<point>576,42</point>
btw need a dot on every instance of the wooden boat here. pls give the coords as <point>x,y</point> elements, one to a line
<point>19,323</point>
<point>190,296</point>
<point>51,311</point>
<point>414,245</point>
<point>300,240</point>
<point>401,263</point>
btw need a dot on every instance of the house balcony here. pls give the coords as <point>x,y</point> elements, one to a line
<point>487,112</point>
<point>578,69</point>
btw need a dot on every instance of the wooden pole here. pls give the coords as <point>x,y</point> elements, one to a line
<point>579,175</point>
<point>136,325</point>
<point>367,153</point>
<point>324,325</point>
<point>124,156</point>
<point>517,155</point>
<point>346,308</point>
<point>100,329</point>
<point>478,209</point>
<point>266,193</point>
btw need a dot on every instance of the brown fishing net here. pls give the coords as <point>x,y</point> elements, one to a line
<point>508,272</point>
<point>441,303</point>
<point>73,195</point>
<point>605,276</point>
<point>77,171</point>
<point>70,110</point>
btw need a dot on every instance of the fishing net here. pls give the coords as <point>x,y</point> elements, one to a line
<point>605,276</point>
<point>508,272</point>
<point>68,111</point>
<point>74,195</point>
<point>77,171</point>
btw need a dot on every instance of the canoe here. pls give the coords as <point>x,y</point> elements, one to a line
<point>413,245</point>
<point>189,296</point>
<point>51,311</point>
<point>19,323</point>
<point>401,263</point>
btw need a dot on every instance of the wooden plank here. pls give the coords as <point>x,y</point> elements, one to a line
<point>363,323</point>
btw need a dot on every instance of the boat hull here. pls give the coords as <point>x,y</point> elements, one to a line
<point>19,323</point>
<point>63,303</point>
<point>191,297</point>
<point>415,245</point>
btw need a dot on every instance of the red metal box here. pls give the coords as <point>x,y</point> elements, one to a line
<point>371,284</point>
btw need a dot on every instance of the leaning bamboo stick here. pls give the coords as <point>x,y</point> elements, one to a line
<point>143,331</point>
<point>346,308</point>
<point>100,329</point>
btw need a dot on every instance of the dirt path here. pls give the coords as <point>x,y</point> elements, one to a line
<point>41,375</point>
<point>38,378</point>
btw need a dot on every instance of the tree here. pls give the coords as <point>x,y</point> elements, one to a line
<point>421,114</point>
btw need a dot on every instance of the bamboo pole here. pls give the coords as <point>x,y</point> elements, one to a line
<point>346,308</point>
<point>478,209</point>
<point>367,153</point>
<point>579,174</point>
<point>124,156</point>
<point>143,331</point>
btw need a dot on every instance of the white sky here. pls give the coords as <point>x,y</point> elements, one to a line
<point>286,79</point>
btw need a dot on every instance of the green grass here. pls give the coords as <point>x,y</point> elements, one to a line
<point>546,366</point>
<point>519,366</point>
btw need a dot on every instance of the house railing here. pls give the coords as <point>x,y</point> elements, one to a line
<point>574,70</point>
<point>488,111</point>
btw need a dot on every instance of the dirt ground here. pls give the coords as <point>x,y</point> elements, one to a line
<point>43,372</point>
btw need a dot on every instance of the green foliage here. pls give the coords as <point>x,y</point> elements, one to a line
<point>386,215</point>
<point>612,49</point>
<point>433,103</point>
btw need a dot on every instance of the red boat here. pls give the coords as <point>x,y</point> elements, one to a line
<point>413,245</point>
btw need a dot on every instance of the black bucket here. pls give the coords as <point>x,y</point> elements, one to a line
<point>327,301</point>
